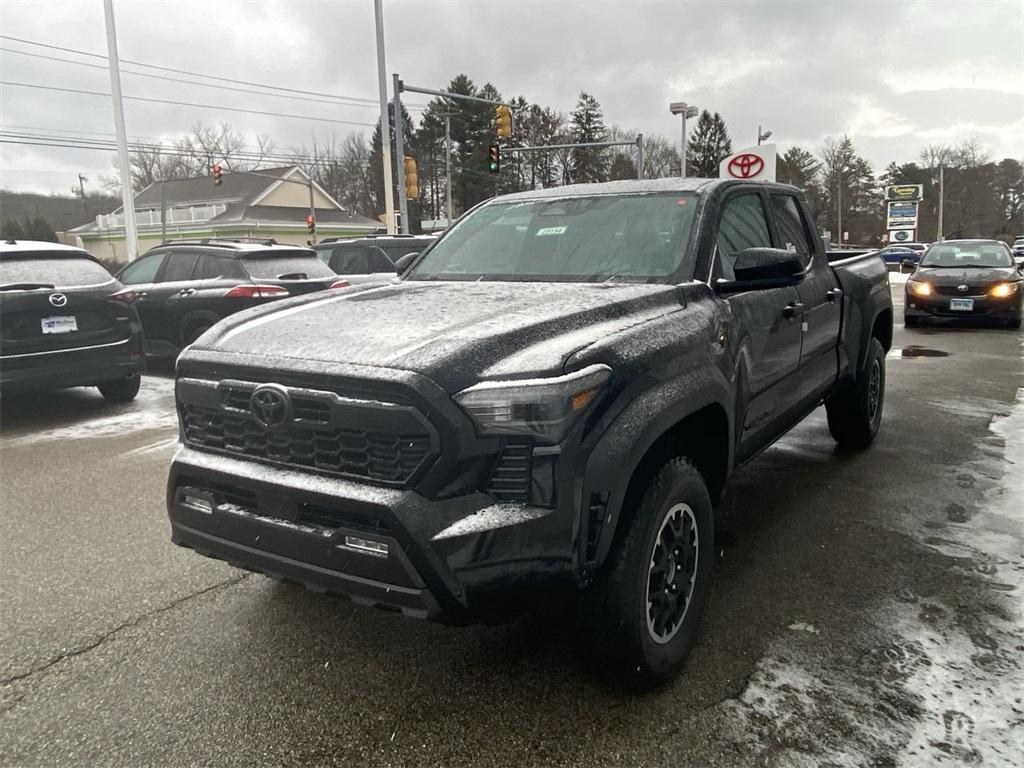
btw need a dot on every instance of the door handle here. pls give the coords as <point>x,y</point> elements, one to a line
<point>141,294</point>
<point>833,294</point>
<point>186,291</point>
<point>792,309</point>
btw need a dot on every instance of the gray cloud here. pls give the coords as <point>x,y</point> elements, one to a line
<point>896,75</point>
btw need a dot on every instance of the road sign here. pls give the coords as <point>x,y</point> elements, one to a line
<point>905,192</point>
<point>750,164</point>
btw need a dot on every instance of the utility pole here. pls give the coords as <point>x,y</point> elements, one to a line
<point>448,166</point>
<point>684,110</point>
<point>839,206</point>
<point>163,211</point>
<point>81,192</point>
<point>127,198</point>
<point>942,198</point>
<point>403,201</point>
<point>385,137</point>
<point>639,155</point>
<point>312,207</point>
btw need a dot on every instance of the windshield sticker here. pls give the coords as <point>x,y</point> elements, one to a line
<point>551,231</point>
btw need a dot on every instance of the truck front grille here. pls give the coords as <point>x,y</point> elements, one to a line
<point>385,443</point>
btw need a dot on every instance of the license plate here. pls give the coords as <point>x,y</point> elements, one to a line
<point>63,324</point>
<point>962,305</point>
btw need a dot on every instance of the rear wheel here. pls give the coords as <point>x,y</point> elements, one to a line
<point>121,390</point>
<point>640,619</point>
<point>855,414</point>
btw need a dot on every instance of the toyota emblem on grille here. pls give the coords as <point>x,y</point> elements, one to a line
<point>58,299</point>
<point>270,405</point>
<point>963,288</point>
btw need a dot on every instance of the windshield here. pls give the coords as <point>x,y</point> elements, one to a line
<point>63,271</point>
<point>960,255</point>
<point>581,239</point>
<point>297,265</point>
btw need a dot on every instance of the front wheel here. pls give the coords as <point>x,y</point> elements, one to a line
<point>855,414</point>
<point>640,618</point>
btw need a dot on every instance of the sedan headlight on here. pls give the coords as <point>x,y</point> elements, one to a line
<point>919,289</point>
<point>545,409</point>
<point>1002,290</point>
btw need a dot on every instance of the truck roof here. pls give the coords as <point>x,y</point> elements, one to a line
<point>631,186</point>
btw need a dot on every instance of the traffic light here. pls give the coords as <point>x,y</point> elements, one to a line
<point>503,120</point>
<point>493,158</point>
<point>412,184</point>
<point>216,174</point>
<point>310,224</point>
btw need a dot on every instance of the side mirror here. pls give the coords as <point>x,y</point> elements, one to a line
<point>759,268</point>
<point>404,262</point>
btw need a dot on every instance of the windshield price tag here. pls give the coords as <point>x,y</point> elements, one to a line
<point>551,231</point>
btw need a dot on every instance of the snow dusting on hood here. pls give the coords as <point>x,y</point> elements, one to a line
<point>453,332</point>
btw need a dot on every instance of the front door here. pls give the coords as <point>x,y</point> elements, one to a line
<point>771,321</point>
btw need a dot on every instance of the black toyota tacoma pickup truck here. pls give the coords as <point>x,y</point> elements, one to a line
<point>552,396</point>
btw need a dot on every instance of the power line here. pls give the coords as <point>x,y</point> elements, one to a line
<point>219,107</point>
<point>371,102</point>
<point>188,82</point>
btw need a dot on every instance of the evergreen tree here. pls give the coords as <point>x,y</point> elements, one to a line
<point>376,170</point>
<point>12,230</point>
<point>588,164</point>
<point>39,228</point>
<point>709,144</point>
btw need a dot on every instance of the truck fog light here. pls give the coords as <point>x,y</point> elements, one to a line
<point>197,502</point>
<point>365,546</point>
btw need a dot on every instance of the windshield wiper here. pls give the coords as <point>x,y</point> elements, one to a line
<point>25,286</point>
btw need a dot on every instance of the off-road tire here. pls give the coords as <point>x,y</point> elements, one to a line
<point>855,413</point>
<point>617,635</point>
<point>121,390</point>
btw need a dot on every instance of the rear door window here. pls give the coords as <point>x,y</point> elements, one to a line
<point>179,266</point>
<point>349,259</point>
<point>377,261</point>
<point>213,267</point>
<point>743,225</point>
<point>60,271</point>
<point>791,226</point>
<point>142,270</point>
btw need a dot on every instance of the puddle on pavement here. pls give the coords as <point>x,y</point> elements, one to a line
<point>916,351</point>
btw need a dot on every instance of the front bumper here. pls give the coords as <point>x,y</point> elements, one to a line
<point>984,307</point>
<point>75,367</point>
<point>461,559</point>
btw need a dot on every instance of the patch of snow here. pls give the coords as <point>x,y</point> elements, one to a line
<point>490,518</point>
<point>799,626</point>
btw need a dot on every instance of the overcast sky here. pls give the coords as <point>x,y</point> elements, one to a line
<point>894,75</point>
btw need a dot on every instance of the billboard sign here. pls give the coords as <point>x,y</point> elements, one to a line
<point>905,192</point>
<point>901,235</point>
<point>752,163</point>
<point>900,215</point>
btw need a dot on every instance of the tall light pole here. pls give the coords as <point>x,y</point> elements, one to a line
<point>942,198</point>
<point>685,110</point>
<point>385,133</point>
<point>131,233</point>
<point>762,136</point>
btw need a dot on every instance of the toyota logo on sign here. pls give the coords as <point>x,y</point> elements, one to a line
<point>271,405</point>
<point>58,299</point>
<point>746,166</point>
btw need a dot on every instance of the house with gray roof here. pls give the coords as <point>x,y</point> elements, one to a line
<point>271,203</point>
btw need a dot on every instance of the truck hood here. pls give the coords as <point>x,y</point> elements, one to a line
<point>454,332</point>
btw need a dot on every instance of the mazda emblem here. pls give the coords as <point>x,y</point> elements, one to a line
<point>58,299</point>
<point>270,405</point>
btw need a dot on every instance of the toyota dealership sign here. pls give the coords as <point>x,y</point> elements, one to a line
<point>749,164</point>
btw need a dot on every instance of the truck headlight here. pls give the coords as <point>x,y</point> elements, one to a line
<point>545,409</point>
<point>1002,290</point>
<point>919,289</point>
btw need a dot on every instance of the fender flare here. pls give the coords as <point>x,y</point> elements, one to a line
<point>628,436</point>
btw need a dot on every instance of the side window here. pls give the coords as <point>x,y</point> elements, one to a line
<point>143,270</point>
<point>324,254</point>
<point>217,268</point>
<point>743,225</point>
<point>791,225</point>
<point>179,266</point>
<point>350,260</point>
<point>378,261</point>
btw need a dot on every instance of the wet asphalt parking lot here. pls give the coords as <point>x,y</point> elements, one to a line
<point>866,611</point>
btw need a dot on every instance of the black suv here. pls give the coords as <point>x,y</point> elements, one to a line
<point>65,322</point>
<point>374,255</point>
<point>184,287</point>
